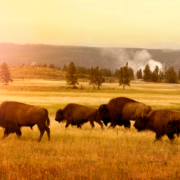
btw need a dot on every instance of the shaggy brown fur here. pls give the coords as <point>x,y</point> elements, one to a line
<point>76,114</point>
<point>157,121</point>
<point>14,115</point>
<point>119,111</point>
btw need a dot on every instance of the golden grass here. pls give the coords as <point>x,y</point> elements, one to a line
<point>86,153</point>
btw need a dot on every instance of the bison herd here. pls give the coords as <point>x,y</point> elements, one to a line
<point>118,111</point>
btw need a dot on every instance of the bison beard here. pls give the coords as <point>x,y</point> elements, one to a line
<point>14,115</point>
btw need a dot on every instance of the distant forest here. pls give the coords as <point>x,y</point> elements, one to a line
<point>109,58</point>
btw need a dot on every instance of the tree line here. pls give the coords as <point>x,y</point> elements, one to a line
<point>169,75</point>
<point>97,76</point>
<point>124,75</point>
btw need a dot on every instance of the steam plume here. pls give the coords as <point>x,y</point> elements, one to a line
<point>117,58</point>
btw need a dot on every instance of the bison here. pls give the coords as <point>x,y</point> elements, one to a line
<point>173,127</point>
<point>76,114</point>
<point>14,115</point>
<point>120,110</point>
<point>158,121</point>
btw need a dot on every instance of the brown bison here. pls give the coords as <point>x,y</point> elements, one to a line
<point>76,114</point>
<point>173,127</point>
<point>119,111</point>
<point>14,115</point>
<point>158,121</point>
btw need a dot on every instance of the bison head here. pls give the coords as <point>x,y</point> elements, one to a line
<point>103,111</point>
<point>172,127</point>
<point>140,123</point>
<point>59,116</point>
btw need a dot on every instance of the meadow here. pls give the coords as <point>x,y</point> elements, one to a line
<point>86,153</point>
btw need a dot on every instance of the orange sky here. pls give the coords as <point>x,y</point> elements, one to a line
<point>117,23</point>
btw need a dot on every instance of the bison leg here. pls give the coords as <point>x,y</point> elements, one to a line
<point>127,124</point>
<point>79,125</point>
<point>100,123</point>
<point>92,123</point>
<point>48,132</point>
<point>18,133</point>
<point>6,133</point>
<point>43,128</point>
<point>10,130</point>
<point>158,137</point>
<point>67,124</point>
<point>41,135</point>
<point>112,125</point>
<point>171,137</point>
<point>114,122</point>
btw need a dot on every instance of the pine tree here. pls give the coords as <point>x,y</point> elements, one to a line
<point>139,74</point>
<point>64,68</point>
<point>4,74</point>
<point>179,74</point>
<point>131,73</point>
<point>71,75</point>
<point>116,73</point>
<point>155,74</point>
<point>124,77</point>
<point>95,77</point>
<point>92,78</point>
<point>171,75</point>
<point>147,73</point>
<point>161,76</point>
<point>98,77</point>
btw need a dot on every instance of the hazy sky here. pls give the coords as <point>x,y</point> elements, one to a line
<point>115,23</point>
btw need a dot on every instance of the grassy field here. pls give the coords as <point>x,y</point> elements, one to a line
<point>86,153</point>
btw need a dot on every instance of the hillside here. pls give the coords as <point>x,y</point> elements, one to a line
<point>113,58</point>
<point>34,72</point>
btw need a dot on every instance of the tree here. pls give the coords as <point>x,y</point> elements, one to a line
<point>64,68</point>
<point>95,77</point>
<point>98,77</point>
<point>51,66</point>
<point>161,76</point>
<point>71,75</point>
<point>147,73</point>
<point>179,74</point>
<point>171,75</point>
<point>139,74</point>
<point>116,73</point>
<point>124,77</point>
<point>131,73</point>
<point>155,74</point>
<point>4,74</point>
<point>92,78</point>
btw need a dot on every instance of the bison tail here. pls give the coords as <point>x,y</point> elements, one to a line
<point>48,120</point>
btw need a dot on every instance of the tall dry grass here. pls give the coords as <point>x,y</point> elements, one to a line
<point>88,153</point>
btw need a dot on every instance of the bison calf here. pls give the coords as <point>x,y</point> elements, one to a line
<point>157,121</point>
<point>14,115</point>
<point>76,114</point>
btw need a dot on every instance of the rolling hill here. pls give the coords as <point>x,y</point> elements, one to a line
<point>113,58</point>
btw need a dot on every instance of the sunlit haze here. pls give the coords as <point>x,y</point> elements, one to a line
<point>115,23</point>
